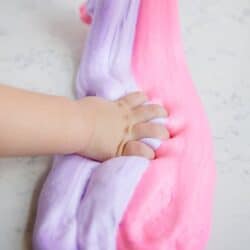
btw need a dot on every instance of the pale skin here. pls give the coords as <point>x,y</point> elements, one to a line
<point>39,124</point>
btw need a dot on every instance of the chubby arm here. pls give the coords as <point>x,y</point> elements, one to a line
<point>39,124</point>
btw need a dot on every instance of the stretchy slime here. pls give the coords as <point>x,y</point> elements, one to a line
<point>130,203</point>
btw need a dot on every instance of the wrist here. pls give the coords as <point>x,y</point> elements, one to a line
<point>68,126</point>
<point>84,124</point>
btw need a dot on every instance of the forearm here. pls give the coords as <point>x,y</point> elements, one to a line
<point>39,124</point>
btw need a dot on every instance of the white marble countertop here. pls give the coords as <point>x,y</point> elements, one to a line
<point>40,48</point>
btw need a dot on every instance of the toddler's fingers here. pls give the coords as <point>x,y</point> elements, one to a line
<point>139,149</point>
<point>133,100</point>
<point>149,130</point>
<point>148,112</point>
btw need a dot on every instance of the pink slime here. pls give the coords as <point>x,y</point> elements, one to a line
<point>171,207</point>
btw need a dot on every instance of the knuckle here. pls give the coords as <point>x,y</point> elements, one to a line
<point>120,102</point>
<point>123,104</point>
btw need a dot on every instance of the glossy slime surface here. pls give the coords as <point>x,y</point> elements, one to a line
<point>128,202</point>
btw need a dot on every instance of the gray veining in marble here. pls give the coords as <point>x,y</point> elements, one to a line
<point>40,46</point>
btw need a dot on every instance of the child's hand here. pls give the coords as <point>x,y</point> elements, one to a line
<point>115,128</point>
<point>39,124</point>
